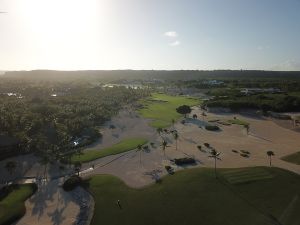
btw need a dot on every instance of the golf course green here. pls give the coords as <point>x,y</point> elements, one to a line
<point>243,196</point>
<point>123,146</point>
<point>162,108</point>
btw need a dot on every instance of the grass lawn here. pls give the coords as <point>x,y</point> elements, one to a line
<point>293,158</point>
<point>244,196</point>
<point>12,206</point>
<point>162,108</point>
<point>239,122</point>
<point>123,146</point>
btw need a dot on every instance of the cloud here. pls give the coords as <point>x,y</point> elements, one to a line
<point>174,43</point>
<point>171,34</point>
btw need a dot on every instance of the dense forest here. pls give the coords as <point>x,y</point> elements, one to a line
<point>112,75</point>
<point>51,116</point>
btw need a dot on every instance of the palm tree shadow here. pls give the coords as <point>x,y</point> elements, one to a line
<point>44,193</point>
<point>155,175</point>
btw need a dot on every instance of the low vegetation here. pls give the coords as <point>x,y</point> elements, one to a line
<point>72,183</point>
<point>212,127</point>
<point>123,146</point>
<point>248,195</point>
<point>12,201</point>
<point>239,122</point>
<point>162,108</point>
<point>235,100</point>
<point>293,158</point>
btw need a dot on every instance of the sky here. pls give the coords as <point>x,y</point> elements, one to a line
<point>149,34</point>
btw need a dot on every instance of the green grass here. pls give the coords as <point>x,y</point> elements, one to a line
<point>196,197</point>
<point>12,206</point>
<point>239,122</point>
<point>293,158</point>
<point>162,108</point>
<point>241,176</point>
<point>123,146</point>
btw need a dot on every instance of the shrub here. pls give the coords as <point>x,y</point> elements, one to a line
<point>207,145</point>
<point>71,183</point>
<point>169,170</point>
<point>182,161</point>
<point>199,147</point>
<point>212,127</point>
<point>244,155</point>
<point>235,151</point>
<point>168,167</point>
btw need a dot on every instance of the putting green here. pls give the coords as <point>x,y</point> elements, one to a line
<point>196,197</point>
<point>123,146</point>
<point>162,108</point>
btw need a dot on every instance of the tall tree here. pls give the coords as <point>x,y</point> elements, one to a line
<point>159,130</point>
<point>11,166</point>
<point>164,145</point>
<point>173,122</point>
<point>270,154</point>
<point>176,136</point>
<point>77,167</point>
<point>184,109</point>
<point>215,155</point>
<point>139,149</point>
<point>247,127</point>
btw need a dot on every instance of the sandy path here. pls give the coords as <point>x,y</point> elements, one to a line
<point>128,124</point>
<point>50,205</point>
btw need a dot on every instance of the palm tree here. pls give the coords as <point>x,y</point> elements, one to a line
<point>139,148</point>
<point>270,154</point>
<point>176,136</point>
<point>11,167</point>
<point>164,145</point>
<point>159,131</point>
<point>77,167</point>
<point>173,122</point>
<point>247,126</point>
<point>214,154</point>
<point>203,114</point>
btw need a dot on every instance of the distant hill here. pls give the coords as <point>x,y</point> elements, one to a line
<point>113,75</point>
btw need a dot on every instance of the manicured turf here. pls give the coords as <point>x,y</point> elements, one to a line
<point>240,176</point>
<point>123,146</point>
<point>12,206</point>
<point>293,158</point>
<point>162,108</point>
<point>196,197</point>
<point>239,122</point>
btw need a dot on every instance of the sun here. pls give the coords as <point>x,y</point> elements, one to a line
<point>69,31</point>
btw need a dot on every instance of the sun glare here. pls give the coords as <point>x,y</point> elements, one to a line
<point>65,25</point>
